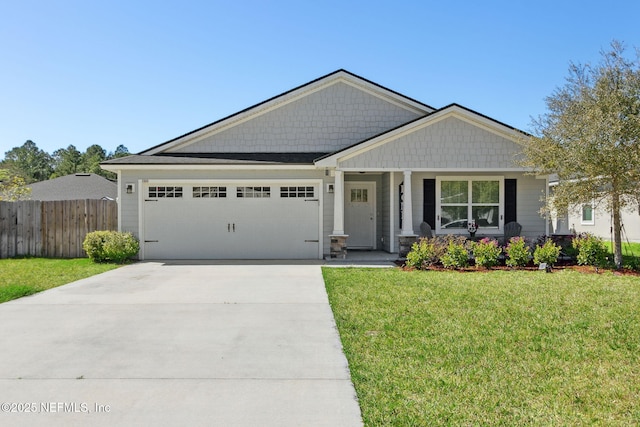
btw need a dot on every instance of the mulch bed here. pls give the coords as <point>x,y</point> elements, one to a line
<point>565,265</point>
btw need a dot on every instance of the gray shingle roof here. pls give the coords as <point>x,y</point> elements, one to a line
<point>73,187</point>
<point>217,159</point>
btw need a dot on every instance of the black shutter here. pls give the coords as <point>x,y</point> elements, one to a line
<point>429,202</point>
<point>510,197</point>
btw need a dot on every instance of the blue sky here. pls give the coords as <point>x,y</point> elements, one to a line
<point>139,73</point>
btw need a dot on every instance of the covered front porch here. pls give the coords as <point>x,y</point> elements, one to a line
<point>373,211</point>
<point>385,211</point>
<point>446,169</point>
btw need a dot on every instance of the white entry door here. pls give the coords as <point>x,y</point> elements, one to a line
<point>360,214</point>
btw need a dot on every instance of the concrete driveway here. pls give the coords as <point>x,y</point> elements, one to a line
<point>177,343</point>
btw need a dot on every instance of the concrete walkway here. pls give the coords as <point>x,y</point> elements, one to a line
<point>177,344</point>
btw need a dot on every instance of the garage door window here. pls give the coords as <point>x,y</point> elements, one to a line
<point>290,192</point>
<point>253,192</point>
<point>209,192</point>
<point>159,192</point>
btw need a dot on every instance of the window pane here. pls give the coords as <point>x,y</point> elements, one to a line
<point>454,192</point>
<point>485,216</point>
<point>485,191</point>
<point>587,213</point>
<point>453,217</point>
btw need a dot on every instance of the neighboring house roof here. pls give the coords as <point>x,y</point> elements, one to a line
<point>74,187</point>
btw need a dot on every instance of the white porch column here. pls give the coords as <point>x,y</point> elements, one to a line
<point>407,208</point>
<point>392,212</point>
<point>338,204</point>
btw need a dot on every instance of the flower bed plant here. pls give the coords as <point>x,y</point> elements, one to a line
<point>517,252</point>
<point>487,252</point>
<point>591,250</point>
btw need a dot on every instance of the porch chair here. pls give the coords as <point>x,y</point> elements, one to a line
<point>425,230</point>
<point>511,229</point>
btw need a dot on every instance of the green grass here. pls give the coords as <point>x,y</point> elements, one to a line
<point>495,348</point>
<point>25,276</point>
<point>630,253</point>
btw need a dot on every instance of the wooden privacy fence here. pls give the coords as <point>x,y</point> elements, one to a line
<point>52,229</point>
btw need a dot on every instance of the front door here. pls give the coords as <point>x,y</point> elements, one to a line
<point>360,214</point>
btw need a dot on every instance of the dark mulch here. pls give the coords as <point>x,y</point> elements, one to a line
<point>562,265</point>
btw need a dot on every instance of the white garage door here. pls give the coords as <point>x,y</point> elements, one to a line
<point>231,220</point>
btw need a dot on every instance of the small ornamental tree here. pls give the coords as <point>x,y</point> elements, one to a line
<point>12,187</point>
<point>590,138</point>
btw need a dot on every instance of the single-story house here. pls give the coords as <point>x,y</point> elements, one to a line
<point>78,186</point>
<point>597,220</point>
<point>338,163</point>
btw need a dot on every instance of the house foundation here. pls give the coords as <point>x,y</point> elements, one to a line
<point>405,243</point>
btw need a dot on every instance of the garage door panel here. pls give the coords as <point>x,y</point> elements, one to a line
<point>232,227</point>
<point>187,230</point>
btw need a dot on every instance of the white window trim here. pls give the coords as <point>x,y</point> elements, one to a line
<point>482,231</point>
<point>593,214</point>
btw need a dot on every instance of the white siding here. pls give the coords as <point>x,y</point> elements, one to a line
<point>603,223</point>
<point>449,143</point>
<point>324,121</point>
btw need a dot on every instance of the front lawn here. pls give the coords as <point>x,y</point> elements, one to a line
<point>630,253</point>
<point>490,348</point>
<point>25,276</point>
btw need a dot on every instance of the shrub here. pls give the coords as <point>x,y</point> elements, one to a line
<point>102,246</point>
<point>517,252</point>
<point>93,245</point>
<point>591,250</point>
<point>424,253</point>
<point>457,255</point>
<point>548,253</point>
<point>486,252</point>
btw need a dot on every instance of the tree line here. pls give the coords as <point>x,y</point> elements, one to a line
<point>32,164</point>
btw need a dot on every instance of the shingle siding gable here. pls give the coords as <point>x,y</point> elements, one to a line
<point>327,120</point>
<point>449,143</point>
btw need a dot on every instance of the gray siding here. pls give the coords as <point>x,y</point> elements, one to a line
<point>449,143</point>
<point>328,120</point>
<point>529,200</point>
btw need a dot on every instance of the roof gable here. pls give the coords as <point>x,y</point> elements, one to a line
<point>452,137</point>
<point>326,114</point>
